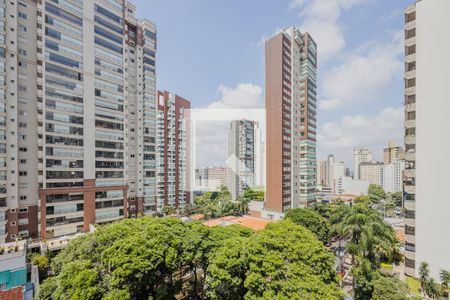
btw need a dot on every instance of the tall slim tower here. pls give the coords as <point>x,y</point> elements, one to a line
<point>427,110</point>
<point>291,83</point>
<point>241,157</point>
<point>173,150</point>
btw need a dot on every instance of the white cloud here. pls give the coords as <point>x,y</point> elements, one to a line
<point>340,137</point>
<point>365,73</point>
<point>330,104</point>
<point>211,136</point>
<point>321,19</point>
<point>244,95</point>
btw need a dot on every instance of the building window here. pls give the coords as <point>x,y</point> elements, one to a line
<point>23,149</point>
<point>23,198</point>
<point>23,173</point>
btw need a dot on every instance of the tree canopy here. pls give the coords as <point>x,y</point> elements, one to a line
<point>284,261</point>
<point>312,220</point>
<point>164,258</point>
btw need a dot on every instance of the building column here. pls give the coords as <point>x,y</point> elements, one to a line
<point>125,203</point>
<point>43,205</point>
<point>89,204</point>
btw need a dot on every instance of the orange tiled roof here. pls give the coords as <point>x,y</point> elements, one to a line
<point>246,221</point>
<point>12,294</point>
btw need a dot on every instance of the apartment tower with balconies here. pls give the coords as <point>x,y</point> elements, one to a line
<point>427,110</point>
<point>291,84</point>
<point>79,115</point>
<point>173,151</point>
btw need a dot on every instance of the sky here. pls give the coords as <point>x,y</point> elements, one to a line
<point>211,52</point>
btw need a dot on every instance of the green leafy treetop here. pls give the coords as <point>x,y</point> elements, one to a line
<point>284,261</point>
<point>164,258</point>
<point>311,220</point>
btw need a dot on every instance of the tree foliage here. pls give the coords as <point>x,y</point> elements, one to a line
<point>164,258</point>
<point>388,288</point>
<point>312,220</point>
<point>284,261</point>
<point>376,193</point>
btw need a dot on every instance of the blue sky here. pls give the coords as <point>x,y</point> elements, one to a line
<point>210,51</point>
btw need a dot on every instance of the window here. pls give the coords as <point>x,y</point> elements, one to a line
<point>22,15</point>
<point>22,125</point>
<point>13,223</point>
<point>23,198</point>
<point>22,88</point>
<point>23,221</point>
<point>23,149</point>
<point>23,173</point>
<point>23,161</point>
<point>22,27</point>
<point>22,51</point>
<point>23,209</point>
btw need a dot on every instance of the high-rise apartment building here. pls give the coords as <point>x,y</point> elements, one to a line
<point>241,157</point>
<point>173,151</point>
<point>322,179</point>
<point>260,157</point>
<point>372,172</point>
<point>79,107</point>
<point>427,206</point>
<point>360,155</point>
<point>291,84</point>
<point>393,152</point>
<point>388,176</point>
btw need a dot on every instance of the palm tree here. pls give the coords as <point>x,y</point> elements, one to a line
<point>432,289</point>
<point>445,281</point>
<point>370,238</point>
<point>424,275</point>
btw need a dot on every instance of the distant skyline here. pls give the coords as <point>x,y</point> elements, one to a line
<point>213,52</point>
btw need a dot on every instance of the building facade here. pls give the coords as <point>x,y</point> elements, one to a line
<point>173,145</point>
<point>393,152</point>
<point>427,223</point>
<point>291,83</point>
<point>388,176</point>
<point>360,155</point>
<point>79,109</point>
<point>241,157</point>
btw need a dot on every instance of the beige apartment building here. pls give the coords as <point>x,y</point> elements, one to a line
<point>393,152</point>
<point>78,111</point>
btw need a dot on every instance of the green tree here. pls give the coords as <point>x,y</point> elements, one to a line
<point>424,275</point>
<point>284,261</point>
<point>376,193</point>
<point>312,220</point>
<point>445,281</point>
<point>371,241</point>
<point>432,289</point>
<point>397,197</point>
<point>388,288</point>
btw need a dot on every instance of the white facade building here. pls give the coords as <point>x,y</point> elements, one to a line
<point>427,110</point>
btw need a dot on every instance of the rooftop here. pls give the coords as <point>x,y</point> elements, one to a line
<point>246,221</point>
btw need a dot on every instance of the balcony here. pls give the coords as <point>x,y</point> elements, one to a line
<point>410,205</point>
<point>410,58</point>
<point>410,222</point>
<point>410,123</point>
<point>410,189</point>
<point>410,255</point>
<point>410,172</point>
<point>410,25</point>
<point>410,74</point>
<point>410,90</point>
<point>410,139</point>
<point>410,107</point>
<point>410,156</point>
<point>410,41</point>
